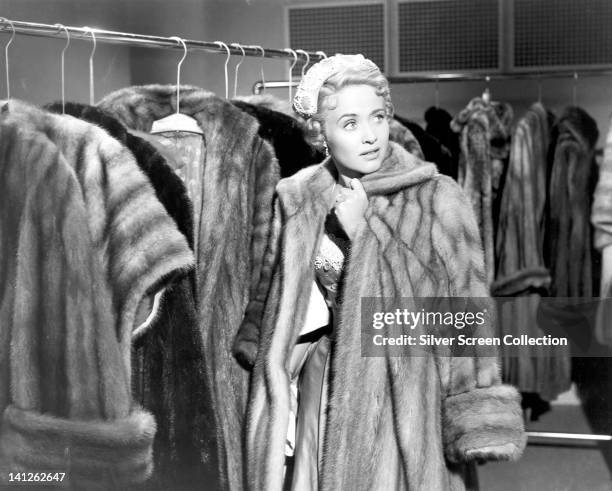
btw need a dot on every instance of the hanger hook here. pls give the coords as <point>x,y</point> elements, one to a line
<point>178,71</point>
<point>295,60</point>
<point>223,45</point>
<point>61,26</point>
<point>263,56</point>
<point>305,53</point>
<point>238,65</point>
<point>574,91</point>
<point>437,93</point>
<point>540,88</point>
<point>6,57</point>
<point>321,54</point>
<point>91,65</point>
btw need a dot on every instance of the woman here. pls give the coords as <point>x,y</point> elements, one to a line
<point>370,221</point>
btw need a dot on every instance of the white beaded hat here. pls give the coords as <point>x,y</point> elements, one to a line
<point>307,94</point>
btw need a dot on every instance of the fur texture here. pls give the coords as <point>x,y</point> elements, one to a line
<point>239,173</point>
<point>286,135</point>
<point>432,149</point>
<point>519,254</point>
<point>485,137</point>
<point>83,239</point>
<point>438,125</point>
<point>390,421</point>
<point>168,360</point>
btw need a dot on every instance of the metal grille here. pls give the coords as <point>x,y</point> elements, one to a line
<point>562,33</point>
<point>347,29</point>
<point>448,35</point>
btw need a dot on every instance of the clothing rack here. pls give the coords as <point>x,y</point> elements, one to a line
<point>146,41</point>
<point>458,77</point>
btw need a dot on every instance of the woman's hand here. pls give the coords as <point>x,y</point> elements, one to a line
<point>350,207</point>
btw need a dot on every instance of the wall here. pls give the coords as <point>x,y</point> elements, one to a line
<point>35,61</point>
<point>263,22</point>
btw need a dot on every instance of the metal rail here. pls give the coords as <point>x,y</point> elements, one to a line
<point>145,41</point>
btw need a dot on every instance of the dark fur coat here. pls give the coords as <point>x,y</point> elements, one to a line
<point>239,173</point>
<point>438,125</point>
<point>83,239</point>
<point>168,359</point>
<point>286,135</point>
<point>392,422</point>
<point>519,253</point>
<point>572,178</point>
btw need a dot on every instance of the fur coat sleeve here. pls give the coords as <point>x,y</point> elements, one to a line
<point>482,419</point>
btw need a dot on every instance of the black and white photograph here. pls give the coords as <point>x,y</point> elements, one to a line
<point>306,245</point>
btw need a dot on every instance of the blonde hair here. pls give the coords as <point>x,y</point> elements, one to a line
<point>349,76</point>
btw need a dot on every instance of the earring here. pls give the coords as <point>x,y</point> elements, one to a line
<point>325,147</point>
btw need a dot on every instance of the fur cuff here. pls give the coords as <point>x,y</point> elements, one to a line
<point>246,342</point>
<point>484,424</point>
<point>91,453</point>
<point>521,281</point>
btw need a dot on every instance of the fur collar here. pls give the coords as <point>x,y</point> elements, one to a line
<point>399,170</point>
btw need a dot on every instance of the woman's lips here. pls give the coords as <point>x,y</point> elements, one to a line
<point>370,154</point>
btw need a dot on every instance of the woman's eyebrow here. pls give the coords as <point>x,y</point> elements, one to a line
<point>351,115</point>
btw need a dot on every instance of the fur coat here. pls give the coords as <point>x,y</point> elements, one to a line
<point>410,421</point>
<point>485,136</point>
<point>568,247</point>
<point>167,360</point>
<point>438,125</point>
<point>521,271</point>
<point>84,238</point>
<point>239,173</point>
<point>432,149</point>
<point>286,135</point>
<point>573,175</point>
<point>601,218</point>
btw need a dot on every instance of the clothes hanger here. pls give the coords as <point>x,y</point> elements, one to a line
<point>177,122</point>
<point>237,66</point>
<point>437,93</point>
<point>305,53</point>
<point>263,56</point>
<point>91,66</point>
<point>321,54</point>
<point>223,45</point>
<point>295,60</point>
<point>6,63</point>
<point>540,88</point>
<point>61,26</point>
<point>574,90</point>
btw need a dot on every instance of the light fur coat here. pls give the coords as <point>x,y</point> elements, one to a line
<point>392,423</point>
<point>238,174</point>
<point>82,239</point>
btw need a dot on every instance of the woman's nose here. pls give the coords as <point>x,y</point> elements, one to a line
<point>368,135</point>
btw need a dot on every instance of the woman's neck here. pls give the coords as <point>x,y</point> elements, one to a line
<point>344,177</point>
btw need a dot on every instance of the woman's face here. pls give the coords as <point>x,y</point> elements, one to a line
<point>357,130</point>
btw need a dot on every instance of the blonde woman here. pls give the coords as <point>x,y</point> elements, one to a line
<point>369,221</point>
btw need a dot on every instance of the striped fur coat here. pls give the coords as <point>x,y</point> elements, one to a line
<point>83,239</point>
<point>238,174</point>
<point>392,422</point>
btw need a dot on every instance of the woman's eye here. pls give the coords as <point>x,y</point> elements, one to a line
<point>380,117</point>
<point>350,125</point>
